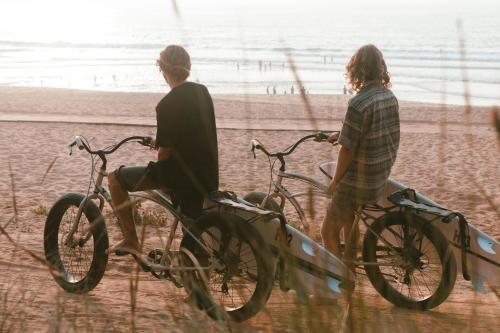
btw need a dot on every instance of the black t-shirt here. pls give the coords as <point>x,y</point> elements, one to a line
<point>186,124</point>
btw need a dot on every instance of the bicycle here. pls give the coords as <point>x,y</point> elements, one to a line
<point>401,243</point>
<point>223,265</point>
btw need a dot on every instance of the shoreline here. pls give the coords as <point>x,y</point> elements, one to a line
<point>3,88</point>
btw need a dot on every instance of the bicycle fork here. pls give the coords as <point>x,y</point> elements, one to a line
<point>99,194</point>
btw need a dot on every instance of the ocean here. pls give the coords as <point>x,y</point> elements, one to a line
<point>435,51</point>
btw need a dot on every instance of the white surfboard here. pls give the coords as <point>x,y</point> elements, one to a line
<point>309,267</point>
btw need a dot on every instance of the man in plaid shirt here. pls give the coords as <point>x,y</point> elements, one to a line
<point>369,142</point>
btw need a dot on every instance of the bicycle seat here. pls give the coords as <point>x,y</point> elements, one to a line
<point>328,169</point>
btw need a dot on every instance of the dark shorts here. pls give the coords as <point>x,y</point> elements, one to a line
<point>342,210</point>
<point>136,178</point>
<point>143,178</point>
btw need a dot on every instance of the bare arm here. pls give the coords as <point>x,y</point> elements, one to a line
<point>163,153</point>
<point>343,162</point>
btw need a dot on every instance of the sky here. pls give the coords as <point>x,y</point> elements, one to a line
<point>33,10</point>
<point>76,19</point>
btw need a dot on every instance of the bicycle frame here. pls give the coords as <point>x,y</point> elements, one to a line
<point>101,194</point>
<point>283,193</point>
<point>319,189</point>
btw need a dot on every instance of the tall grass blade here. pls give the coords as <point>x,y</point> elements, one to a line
<point>302,91</point>
<point>48,169</point>
<point>13,191</point>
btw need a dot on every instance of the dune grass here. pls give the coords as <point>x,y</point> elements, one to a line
<point>77,313</point>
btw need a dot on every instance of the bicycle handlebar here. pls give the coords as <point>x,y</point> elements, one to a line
<point>318,137</point>
<point>81,143</point>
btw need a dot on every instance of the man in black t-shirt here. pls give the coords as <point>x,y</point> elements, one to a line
<point>186,140</point>
<point>186,125</point>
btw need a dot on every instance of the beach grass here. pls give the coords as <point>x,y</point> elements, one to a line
<point>364,312</point>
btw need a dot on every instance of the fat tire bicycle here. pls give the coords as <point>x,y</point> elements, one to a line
<point>405,256</point>
<point>222,263</point>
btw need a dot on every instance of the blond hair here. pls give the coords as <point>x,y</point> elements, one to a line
<point>175,61</point>
<point>367,65</point>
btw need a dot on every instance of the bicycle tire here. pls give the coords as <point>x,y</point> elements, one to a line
<point>55,251</point>
<point>257,198</point>
<point>222,230</point>
<point>436,240</point>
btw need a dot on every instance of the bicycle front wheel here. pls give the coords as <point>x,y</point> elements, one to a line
<point>409,261</point>
<point>237,264</point>
<point>77,263</point>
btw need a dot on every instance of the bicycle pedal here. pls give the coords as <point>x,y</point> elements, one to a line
<point>156,255</point>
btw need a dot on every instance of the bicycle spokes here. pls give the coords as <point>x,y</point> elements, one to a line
<point>76,257</point>
<point>406,256</point>
<point>233,277</point>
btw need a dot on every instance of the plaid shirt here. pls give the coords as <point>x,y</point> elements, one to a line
<point>371,132</point>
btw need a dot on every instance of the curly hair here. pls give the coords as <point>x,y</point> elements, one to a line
<point>175,61</point>
<point>367,65</point>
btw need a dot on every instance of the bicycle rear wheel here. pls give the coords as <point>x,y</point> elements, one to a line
<point>77,265</point>
<point>412,264</point>
<point>239,266</point>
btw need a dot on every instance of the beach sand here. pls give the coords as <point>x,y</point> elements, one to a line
<point>449,156</point>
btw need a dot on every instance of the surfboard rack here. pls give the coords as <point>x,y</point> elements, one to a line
<point>408,199</point>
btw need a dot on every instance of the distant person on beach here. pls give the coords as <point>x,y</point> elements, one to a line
<point>186,141</point>
<point>369,142</point>
<point>274,90</point>
<point>267,90</point>
<point>292,90</point>
<point>345,90</point>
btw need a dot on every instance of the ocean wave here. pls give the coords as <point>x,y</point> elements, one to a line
<point>61,44</point>
<point>342,54</point>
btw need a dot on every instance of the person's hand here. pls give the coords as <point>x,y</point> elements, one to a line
<point>331,188</point>
<point>152,144</point>
<point>333,138</point>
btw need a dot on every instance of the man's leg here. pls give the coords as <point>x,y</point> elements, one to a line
<point>330,233</point>
<point>123,210</point>
<point>339,216</point>
<point>351,237</point>
<point>122,181</point>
